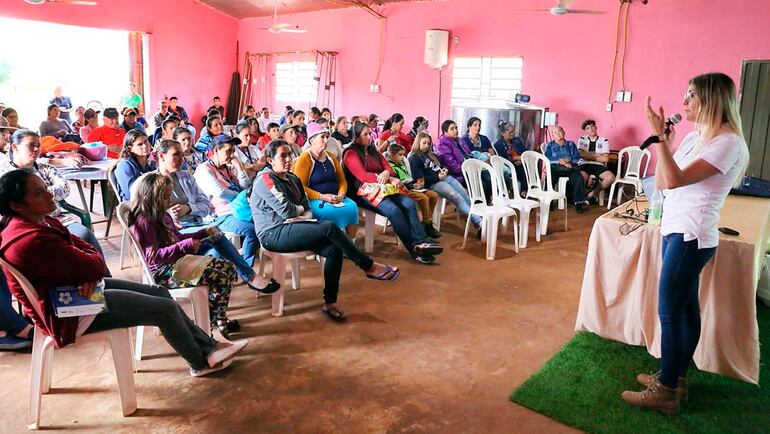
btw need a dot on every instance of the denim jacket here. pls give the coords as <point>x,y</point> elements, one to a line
<point>554,152</point>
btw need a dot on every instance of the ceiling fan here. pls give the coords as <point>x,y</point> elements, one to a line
<point>69,2</point>
<point>563,7</point>
<point>281,28</point>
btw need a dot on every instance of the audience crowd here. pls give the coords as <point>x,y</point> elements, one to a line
<point>287,183</point>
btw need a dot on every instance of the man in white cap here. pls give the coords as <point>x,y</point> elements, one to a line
<point>5,132</point>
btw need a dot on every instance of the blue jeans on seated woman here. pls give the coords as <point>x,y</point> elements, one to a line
<point>11,321</point>
<point>224,249</point>
<point>401,210</point>
<point>678,306</point>
<point>250,243</point>
<point>342,216</point>
<point>451,190</point>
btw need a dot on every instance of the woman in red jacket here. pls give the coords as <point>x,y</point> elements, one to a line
<point>49,256</point>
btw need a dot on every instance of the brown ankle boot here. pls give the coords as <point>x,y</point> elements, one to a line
<point>656,397</point>
<point>681,386</point>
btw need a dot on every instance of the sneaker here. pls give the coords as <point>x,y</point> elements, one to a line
<point>12,343</point>
<point>225,351</point>
<point>579,207</point>
<point>431,231</point>
<point>656,397</point>
<point>425,259</point>
<point>206,371</point>
<point>429,249</point>
<point>681,385</point>
<point>592,200</point>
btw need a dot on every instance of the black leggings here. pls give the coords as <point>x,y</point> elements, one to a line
<point>131,304</point>
<point>322,238</point>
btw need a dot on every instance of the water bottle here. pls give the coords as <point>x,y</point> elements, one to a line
<point>655,213</point>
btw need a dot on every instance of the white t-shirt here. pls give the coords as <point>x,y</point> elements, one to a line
<point>602,147</point>
<point>250,151</point>
<point>693,210</point>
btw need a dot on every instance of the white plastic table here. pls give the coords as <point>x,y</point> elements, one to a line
<point>94,171</point>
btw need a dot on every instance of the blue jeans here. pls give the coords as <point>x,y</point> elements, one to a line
<point>224,249</point>
<point>678,306</point>
<point>250,244</point>
<point>10,320</point>
<point>451,190</point>
<point>401,210</point>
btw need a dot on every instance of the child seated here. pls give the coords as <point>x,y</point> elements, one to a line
<point>426,199</point>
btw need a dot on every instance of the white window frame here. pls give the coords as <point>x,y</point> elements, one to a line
<point>295,81</point>
<point>476,79</point>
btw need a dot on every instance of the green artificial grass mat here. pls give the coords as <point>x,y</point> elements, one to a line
<point>581,385</point>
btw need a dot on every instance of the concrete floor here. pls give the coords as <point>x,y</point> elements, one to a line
<point>440,350</point>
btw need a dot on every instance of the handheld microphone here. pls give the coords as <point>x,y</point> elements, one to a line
<point>672,120</point>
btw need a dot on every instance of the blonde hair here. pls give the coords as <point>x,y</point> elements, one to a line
<point>149,200</point>
<point>429,152</point>
<point>718,109</point>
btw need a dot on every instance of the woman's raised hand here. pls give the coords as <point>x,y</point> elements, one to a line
<point>656,120</point>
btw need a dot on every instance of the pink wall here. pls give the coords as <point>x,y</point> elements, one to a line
<point>191,47</point>
<point>567,59</point>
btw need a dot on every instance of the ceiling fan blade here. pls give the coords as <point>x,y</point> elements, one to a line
<point>534,10</point>
<point>564,3</point>
<point>586,11</point>
<point>77,2</point>
<point>280,26</point>
<point>293,31</point>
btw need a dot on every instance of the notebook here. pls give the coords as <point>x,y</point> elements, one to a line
<point>67,302</point>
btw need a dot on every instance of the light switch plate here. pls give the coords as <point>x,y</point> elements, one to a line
<point>626,96</point>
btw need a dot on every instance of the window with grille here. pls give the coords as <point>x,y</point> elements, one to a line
<point>484,78</point>
<point>294,81</point>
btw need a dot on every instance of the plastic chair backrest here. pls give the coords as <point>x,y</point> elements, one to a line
<point>114,181</point>
<point>472,170</point>
<point>532,161</point>
<point>635,156</point>
<point>123,210</point>
<point>500,164</point>
<point>29,291</point>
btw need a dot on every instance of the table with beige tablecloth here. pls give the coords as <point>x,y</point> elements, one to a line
<point>619,297</point>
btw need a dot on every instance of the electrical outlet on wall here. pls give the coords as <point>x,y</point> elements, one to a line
<point>619,96</point>
<point>609,106</point>
<point>626,96</point>
<point>374,88</point>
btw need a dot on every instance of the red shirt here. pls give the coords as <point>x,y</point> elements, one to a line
<point>112,137</point>
<point>402,139</point>
<point>365,171</point>
<point>263,141</point>
<point>49,256</point>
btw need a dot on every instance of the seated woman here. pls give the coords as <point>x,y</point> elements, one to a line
<point>53,126</point>
<point>191,157</point>
<point>214,129</point>
<point>452,152</point>
<point>392,134</point>
<point>426,165</point>
<point>10,114</point>
<point>222,178</point>
<point>90,122</point>
<point>163,246</point>
<point>29,238</point>
<point>256,131</point>
<point>511,147</point>
<point>419,125</point>
<point>247,153</point>
<point>478,143</point>
<point>24,151</point>
<point>364,164</point>
<point>281,216</point>
<point>298,120</point>
<point>425,199</point>
<point>333,146</point>
<point>341,132</point>
<point>134,162</point>
<point>324,181</point>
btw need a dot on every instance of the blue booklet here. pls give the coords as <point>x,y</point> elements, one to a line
<point>67,302</point>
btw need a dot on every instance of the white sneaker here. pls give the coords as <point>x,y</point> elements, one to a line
<point>200,373</point>
<point>225,352</point>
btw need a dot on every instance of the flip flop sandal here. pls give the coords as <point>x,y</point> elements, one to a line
<point>389,275</point>
<point>336,315</point>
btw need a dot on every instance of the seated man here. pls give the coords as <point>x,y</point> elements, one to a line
<point>181,114</point>
<point>161,115</point>
<point>217,105</point>
<point>564,157</point>
<point>110,133</point>
<point>594,154</point>
<point>129,120</point>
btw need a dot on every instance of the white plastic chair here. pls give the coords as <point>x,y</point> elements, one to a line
<point>198,296</point>
<point>491,214</point>
<point>43,348</point>
<point>542,189</point>
<point>114,184</point>
<point>634,172</point>
<point>523,206</point>
<point>279,272</point>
